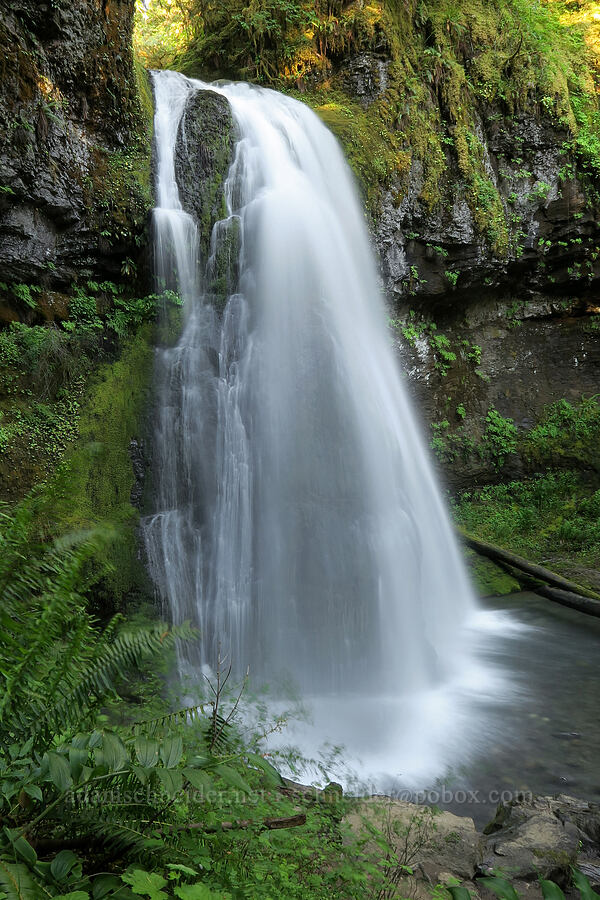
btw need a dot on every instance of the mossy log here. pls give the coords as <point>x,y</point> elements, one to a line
<point>537,578</point>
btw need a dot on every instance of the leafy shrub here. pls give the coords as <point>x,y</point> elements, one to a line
<point>500,437</point>
<point>567,433</point>
<point>547,517</point>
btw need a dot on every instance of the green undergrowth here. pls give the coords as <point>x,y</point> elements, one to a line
<point>165,801</point>
<point>444,351</point>
<point>73,397</point>
<point>489,579</point>
<point>45,369</point>
<point>491,439</point>
<point>551,519</point>
<point>566,435</point>
<point>93,483</point>
<point>104,795</point>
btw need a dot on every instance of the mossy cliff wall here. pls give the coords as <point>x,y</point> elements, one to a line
<point>101,480</point>
<point>74,144</point>
<point>75,196</point>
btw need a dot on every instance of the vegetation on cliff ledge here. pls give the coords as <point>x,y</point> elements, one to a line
<point>444,65</point>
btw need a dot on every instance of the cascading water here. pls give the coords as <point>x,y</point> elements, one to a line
<point>298,521</point>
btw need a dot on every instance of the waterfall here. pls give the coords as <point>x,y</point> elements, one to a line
<point>298,522</point>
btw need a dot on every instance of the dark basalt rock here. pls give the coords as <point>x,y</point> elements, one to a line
<point>203,155</point>
<point>139,463</point>
<point>69,110</point>
<point>366,76</point>
<point>542,199</point>
<point>531,310</point>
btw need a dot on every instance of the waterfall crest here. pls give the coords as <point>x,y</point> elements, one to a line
<point>298,523</point>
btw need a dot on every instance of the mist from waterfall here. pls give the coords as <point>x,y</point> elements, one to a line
<point>298,522</point>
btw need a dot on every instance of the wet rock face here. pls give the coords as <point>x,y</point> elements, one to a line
<point>366,76</point>
<point>139,463</point>
<point>532,354</point>
<point>68,108</point>
<point>203,154</point>
<point>552,227</point>
<point>531,309</point>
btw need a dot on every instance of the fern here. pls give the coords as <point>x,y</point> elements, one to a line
<point>66,780</point>
<point>18,884</point>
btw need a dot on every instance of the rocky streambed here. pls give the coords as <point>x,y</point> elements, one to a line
<point>529,838</point>
<point>422,847</point>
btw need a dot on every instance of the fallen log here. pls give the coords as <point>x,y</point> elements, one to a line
<point>268,824</point>
<point>566,598</point>
<point>540,580</point>
<point>43,847</point>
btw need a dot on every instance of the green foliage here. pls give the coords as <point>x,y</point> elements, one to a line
<point>446,62</point>
<point>549,517</point>
<point>24,293</point>
<point>444,356</point>
<point>500,437</point>
<point>411,333</point>
<point>261,40</point>
<point>566,434</point>
<point>57,668</point>
<point>47,357</point>
<point>45,371</point>
<point>504,890</point>
<point>68,414</point>
<point>439,344</point>
<point>83,309</point>
<point>93,483</point>
<point>474,354</point>
<point>582,884</point>
<point>451,445</point>
<point>540,192</point>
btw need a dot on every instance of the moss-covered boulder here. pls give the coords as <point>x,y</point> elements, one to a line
<point>204,153</point>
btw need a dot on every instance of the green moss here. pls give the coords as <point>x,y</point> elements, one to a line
<point>209,132</point>
<point>551,519</point>
<point>93,485</point>
<point>449,63</point>
<point>223,274</point>
<point>489,579</point>
<point>567,434</point>
<point>142,80</point>
<point>119,191</point>
<point>374,153</point>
